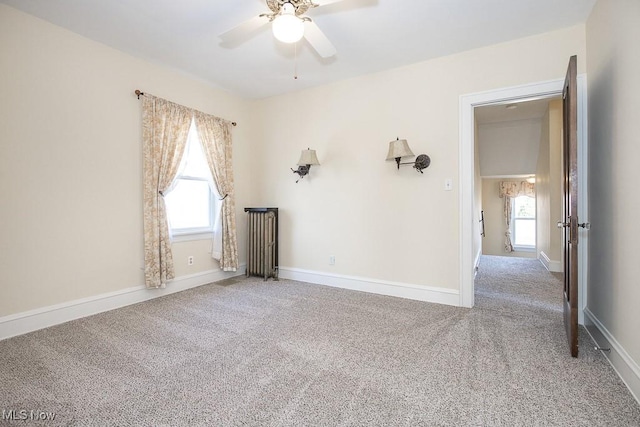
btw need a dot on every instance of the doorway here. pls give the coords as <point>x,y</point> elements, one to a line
<point>470,180</point>
<point>519,150</point>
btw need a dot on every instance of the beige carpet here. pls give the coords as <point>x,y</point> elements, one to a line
<point>253,353</point>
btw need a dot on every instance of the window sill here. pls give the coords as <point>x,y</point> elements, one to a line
<point>524,248</point>
<point>190,237</point>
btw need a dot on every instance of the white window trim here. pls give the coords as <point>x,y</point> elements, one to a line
<point>191,236</point>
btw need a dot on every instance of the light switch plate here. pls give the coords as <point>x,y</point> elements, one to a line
<point>448,184</point>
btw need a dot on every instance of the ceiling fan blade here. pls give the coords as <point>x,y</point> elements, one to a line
<point>244,31</point>
<point>318,40</point>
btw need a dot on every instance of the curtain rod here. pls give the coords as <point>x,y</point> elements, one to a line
<point>138,93</point>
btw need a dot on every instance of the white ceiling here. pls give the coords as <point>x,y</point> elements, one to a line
<point>369,35</point>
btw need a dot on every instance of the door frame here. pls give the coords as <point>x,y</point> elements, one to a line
<point>468,102</point>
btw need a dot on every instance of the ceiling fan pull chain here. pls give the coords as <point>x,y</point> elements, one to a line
<point>295,61</point>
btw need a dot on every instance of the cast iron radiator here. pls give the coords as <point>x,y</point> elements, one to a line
<point>262,242</point>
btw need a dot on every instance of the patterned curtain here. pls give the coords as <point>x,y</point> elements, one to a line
<point>165,127</point>
<point>509,189</point>
<point>215,136</point>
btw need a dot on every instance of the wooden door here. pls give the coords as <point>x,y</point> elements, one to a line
<point>570,205</point>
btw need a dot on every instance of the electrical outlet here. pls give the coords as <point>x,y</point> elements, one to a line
<point>332,260</point>
<point>190,260</point>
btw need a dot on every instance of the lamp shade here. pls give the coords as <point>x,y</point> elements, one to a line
<point>399,148</point>
<point>287,27</point>
<point>308,157</point>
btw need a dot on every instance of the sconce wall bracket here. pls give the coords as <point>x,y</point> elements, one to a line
<point>422,162</point>
<point>302,171</point>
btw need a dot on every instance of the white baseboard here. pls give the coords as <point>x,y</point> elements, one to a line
<point>553,266</point>
<point>395,289</point>
<point>32,320</point>
<point>622,363</point>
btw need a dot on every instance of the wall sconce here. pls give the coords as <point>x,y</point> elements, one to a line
<point>399,149</point>
<point>307,158</point>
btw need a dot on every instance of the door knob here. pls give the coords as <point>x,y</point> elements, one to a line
<point>562,224</point>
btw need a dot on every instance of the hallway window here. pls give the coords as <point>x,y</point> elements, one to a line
<point>523,222</point>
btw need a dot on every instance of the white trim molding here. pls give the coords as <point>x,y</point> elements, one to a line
<point>549,264</point>
<point>622,363</point>
<point>395,289</point>
<point>33,320</point>
<point>476,263</point>
<point>468,103</point>
<point>583,194</point>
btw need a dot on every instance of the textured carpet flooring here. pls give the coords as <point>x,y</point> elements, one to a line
<point>253,353</point>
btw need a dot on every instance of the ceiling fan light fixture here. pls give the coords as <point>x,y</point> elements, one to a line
<point>287,27</point>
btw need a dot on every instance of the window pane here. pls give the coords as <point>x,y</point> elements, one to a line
<point>188,205</point>
<point>196,163</point>
<point>525,232</point>
<point>524,207</point>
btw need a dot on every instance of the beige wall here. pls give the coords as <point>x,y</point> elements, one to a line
<point>543,198</point>
<point>70,162</point>
<point>549,184</point>
<point>493,205</point>
<point>555,179</point>
<point>613,69</point>
<point>381,223</point>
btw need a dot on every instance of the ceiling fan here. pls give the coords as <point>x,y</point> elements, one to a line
<point>288,24</point>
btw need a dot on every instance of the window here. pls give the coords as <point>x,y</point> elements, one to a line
<point>191,205</point>
<point>523,223</point>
